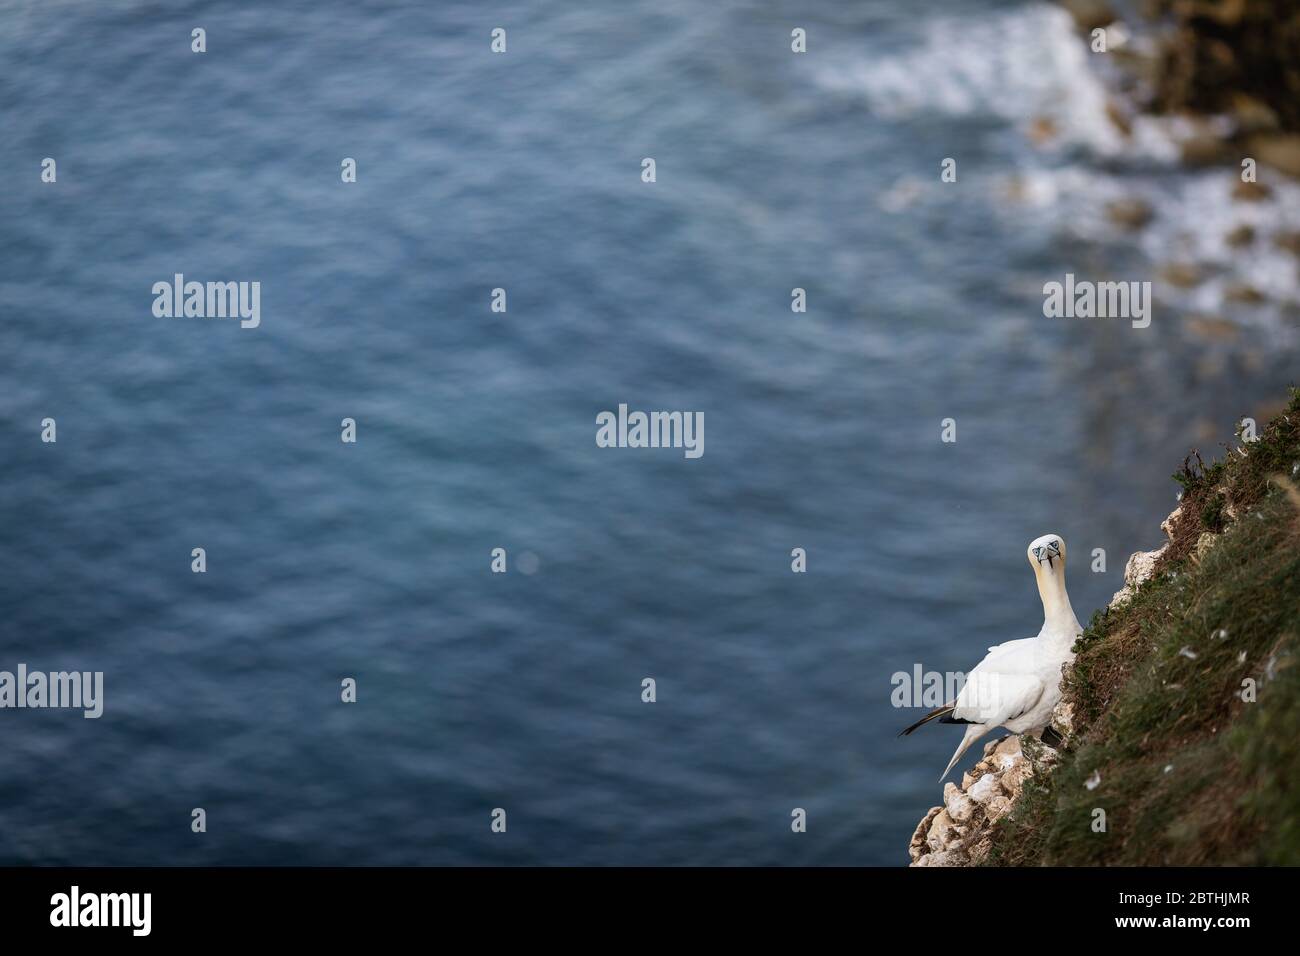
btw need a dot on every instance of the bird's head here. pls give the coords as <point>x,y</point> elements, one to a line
<point>1047,553</point>
<point>1047,557</point>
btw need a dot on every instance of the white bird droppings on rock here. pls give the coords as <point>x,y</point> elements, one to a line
<point>985,788</point>
<point>961,808</point>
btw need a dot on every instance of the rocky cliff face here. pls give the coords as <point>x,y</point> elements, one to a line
<point>1180,714</point>
<point>1209,56</point>
<point>959,832</point>
<point>1232,59</point>
<point>1219,54</point>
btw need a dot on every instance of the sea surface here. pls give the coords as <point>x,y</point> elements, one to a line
<point>522,170</point>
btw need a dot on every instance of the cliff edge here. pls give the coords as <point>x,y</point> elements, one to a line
<point>1180,716</point>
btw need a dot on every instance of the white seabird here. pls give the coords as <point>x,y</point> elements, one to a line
<point>1019,682</point>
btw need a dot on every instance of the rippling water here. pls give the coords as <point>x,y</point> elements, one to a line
<point>476,430</point>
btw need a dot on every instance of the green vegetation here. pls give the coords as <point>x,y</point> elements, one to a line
<point>1190,772</point>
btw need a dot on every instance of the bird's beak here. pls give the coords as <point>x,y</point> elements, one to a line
<point>1047,553</point>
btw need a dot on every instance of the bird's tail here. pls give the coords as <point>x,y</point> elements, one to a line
<point>943,711</point>
<point>973,733</point>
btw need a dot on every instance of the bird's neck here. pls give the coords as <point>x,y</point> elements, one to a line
<point>1058,616</point>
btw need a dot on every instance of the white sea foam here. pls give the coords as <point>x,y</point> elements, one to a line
<point>1017,65</point>
<point>1030,64</point>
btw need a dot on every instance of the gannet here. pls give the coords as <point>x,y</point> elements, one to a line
<point>1019,682</point>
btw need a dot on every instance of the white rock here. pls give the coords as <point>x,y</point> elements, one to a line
<point>941,832</point>
<point>997,808</point>
<point>1063,719</point>
<point>1010,747</point>
<point>962,809</point>
<point>1140,565</point>
<point>1167,526</point>
<point>944,858</point>
<point>918,846</point>
<point>1014,779</point>
<point>985,788</point>
<point>959,806</point>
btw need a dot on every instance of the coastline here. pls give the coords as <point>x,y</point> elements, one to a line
<point>1216,79</point>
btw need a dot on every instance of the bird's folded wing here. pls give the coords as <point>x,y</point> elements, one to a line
<point>992,698</point>
<point>1009,647</point>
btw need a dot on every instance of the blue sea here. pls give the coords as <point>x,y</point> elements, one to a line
<point>476,429</point>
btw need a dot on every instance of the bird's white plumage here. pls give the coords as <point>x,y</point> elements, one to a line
<point>1018,683</point>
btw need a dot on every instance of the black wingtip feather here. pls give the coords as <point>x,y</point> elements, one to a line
<point>938,712</point>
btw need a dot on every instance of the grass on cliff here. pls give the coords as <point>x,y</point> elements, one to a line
<point>1189,771</point>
